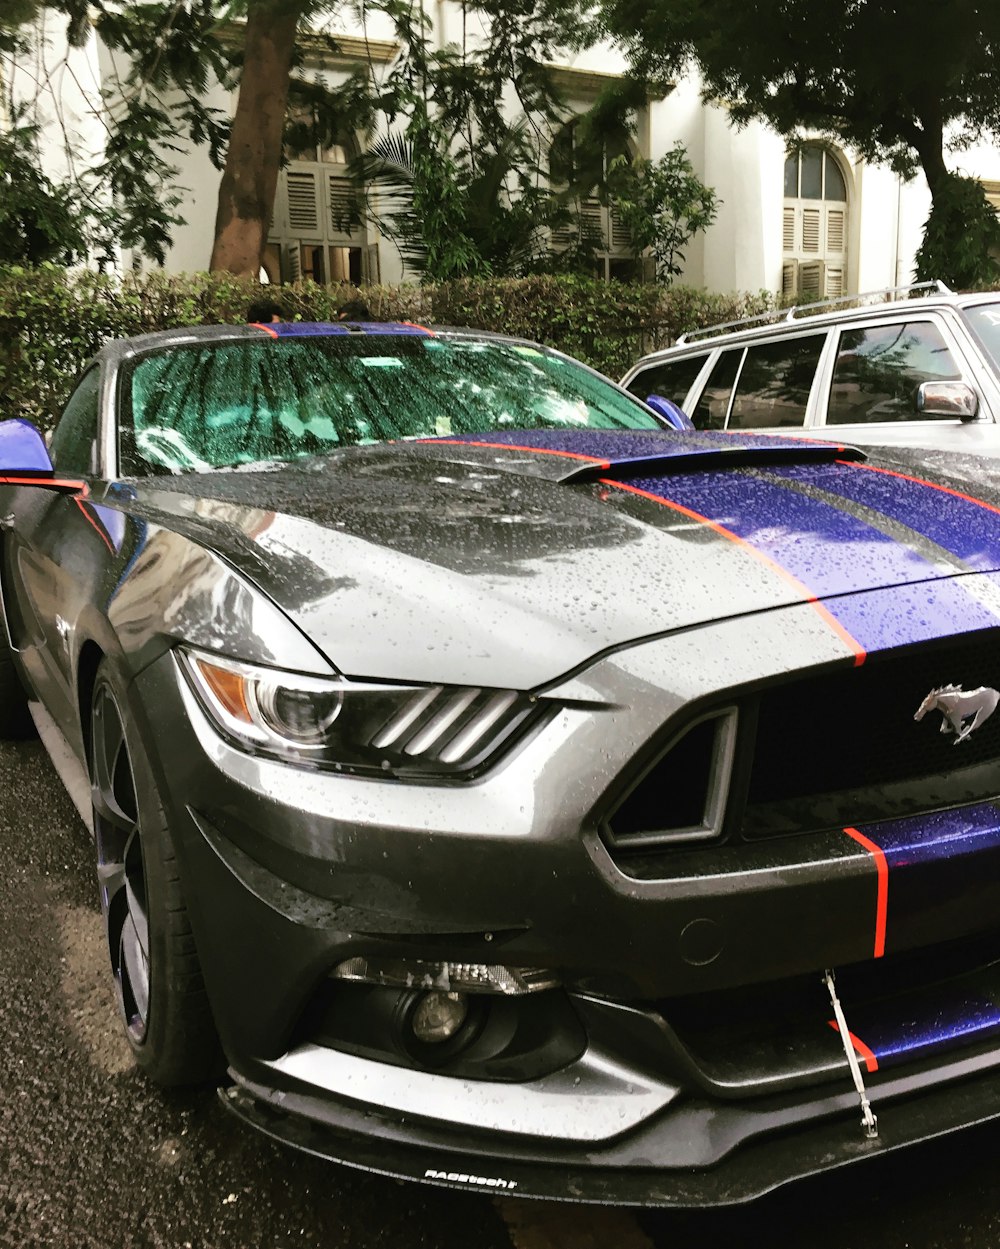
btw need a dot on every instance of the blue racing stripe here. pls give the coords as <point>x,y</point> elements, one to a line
<point>827,547</point>
<point>945,1024</point>
<point>939,835</point>
<point>907,614</point>
<point>966,527</point>
<point>838,557</point>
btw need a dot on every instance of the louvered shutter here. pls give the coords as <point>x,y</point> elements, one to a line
<point>788,230</point>
<point>621,238</point>
<point>835,229</point>
<point>814,233</point>
<point>302,188</point>
<point>810,229</point>
<point>293,262</point>
<point>592,219</point>
<point>340,201</point>
<point>563,236</point>
<point>812,275</point>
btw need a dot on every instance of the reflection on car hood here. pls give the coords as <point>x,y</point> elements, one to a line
<point>493,559</point>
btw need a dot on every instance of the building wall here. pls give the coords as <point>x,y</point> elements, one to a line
<point>742,250</point>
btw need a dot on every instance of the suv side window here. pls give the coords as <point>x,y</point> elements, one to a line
<point>775,383</point>
<point>74,444</point>
<point>878,370</point>
<point>710,411</point>
<point>672,379</point>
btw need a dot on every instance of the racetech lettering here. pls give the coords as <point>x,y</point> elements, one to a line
<point>459,1177</point>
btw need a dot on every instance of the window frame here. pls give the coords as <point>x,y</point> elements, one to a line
<point>99,462</point>
<point>808,416</point>
<point>696,387</point>
<point>801,331</point>
<point>969,373</point>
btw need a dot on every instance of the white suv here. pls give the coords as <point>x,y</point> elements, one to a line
<point>914,371</point>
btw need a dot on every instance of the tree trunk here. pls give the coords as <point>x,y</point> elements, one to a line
<point>250,178</point>
<point>930,150</point>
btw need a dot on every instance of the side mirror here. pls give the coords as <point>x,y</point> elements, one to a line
<point>956,399</point>
<point>675,417</point>
<point>24,459</point>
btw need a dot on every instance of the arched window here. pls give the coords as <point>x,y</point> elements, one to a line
<point>814,227</point>
<point>318,229</point>
<point>598,222</point>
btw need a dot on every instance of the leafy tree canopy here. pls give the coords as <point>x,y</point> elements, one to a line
<point>470,189</point>
<point>39,220</point>
<point>901,83</point>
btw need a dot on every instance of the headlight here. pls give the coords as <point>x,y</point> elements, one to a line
<point>357,726</point>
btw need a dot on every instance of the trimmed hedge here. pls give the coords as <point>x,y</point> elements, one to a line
<point>52,321</point>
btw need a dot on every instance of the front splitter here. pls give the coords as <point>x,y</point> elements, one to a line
<point>349,1134</point>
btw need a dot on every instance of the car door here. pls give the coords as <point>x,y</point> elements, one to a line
<point>56,553</point>
<point>775,383</point>
<point>876,369</point>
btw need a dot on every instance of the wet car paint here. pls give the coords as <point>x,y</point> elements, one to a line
<point>640,595</point>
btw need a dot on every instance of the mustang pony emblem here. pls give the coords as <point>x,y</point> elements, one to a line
<point>963,710</point>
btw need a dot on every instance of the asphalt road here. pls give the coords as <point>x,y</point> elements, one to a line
<point>92,1156</point>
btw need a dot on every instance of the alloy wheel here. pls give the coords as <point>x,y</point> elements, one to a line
<point>120,869</point>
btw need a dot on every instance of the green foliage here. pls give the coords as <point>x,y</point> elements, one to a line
<point>174,50</point>
<point>663,205</point>
<point>51,321</point>
<point>890,80</point>
<point>468,188</point>
<point>961,243</point>
<point>469,192</point>
<point>39,220</point>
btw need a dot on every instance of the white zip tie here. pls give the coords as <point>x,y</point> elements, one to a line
<point>869,1121</point>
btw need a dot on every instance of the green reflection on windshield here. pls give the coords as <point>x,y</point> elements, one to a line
<point>217,405</point>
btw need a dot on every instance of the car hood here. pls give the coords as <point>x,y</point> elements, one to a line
<point>511,560</point>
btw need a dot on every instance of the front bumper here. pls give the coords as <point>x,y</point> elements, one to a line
<point>288,873</point>
<point>630,1174</point>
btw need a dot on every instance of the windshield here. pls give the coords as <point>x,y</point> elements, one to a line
<point>985,319</point>
<point>198,407</point>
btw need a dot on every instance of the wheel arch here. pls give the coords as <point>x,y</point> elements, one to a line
<point>88,663</point>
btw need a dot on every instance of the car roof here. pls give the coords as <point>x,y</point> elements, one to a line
<point>803,319</point>
<point>119,349</point>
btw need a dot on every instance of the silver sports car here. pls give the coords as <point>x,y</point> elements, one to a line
<point>510,790</point>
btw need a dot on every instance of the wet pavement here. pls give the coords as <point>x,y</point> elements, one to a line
<point>93,1156</point>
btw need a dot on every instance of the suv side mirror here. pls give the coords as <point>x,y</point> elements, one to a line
<point>675,417</point>
<point>947,399</point>
<point>24,459</point>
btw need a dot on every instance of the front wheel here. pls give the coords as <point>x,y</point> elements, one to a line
<point>161,994</point>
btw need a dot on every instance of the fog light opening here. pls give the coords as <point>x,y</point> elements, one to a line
<point>445,977</point>
<point>438,1017</point>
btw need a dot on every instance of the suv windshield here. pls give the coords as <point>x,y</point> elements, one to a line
<point>213,405</point>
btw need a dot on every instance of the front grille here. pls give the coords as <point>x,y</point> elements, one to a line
<point>842,746</point>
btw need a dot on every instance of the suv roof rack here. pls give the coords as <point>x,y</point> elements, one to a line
<point>789,314</point>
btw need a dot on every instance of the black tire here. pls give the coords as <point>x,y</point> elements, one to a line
<point>161,994</point>
<point>15,719</point>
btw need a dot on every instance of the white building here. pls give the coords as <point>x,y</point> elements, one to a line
<point>820,222</point>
